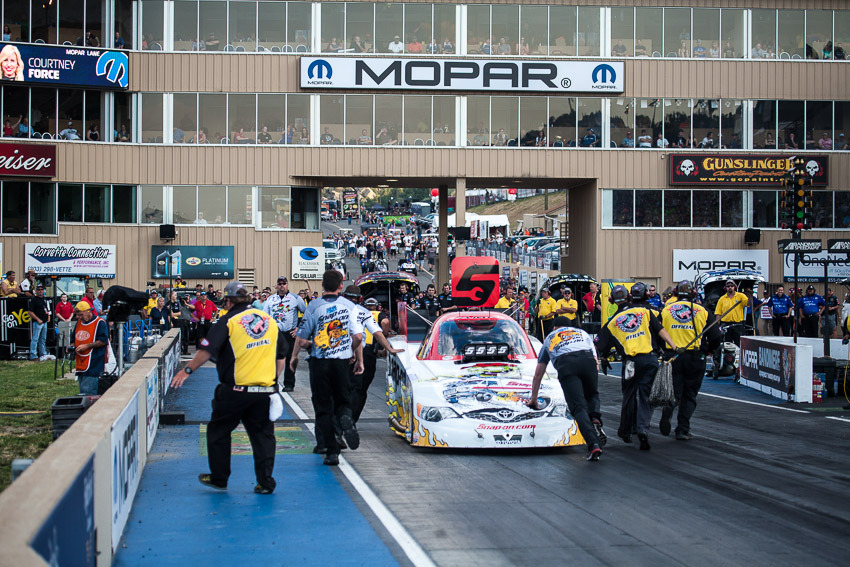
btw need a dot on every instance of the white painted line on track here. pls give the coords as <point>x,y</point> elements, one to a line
<point>753,403</point>
<point>838,419</point>
<point>408,545</point>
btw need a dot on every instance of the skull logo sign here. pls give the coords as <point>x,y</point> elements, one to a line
<point>812,167</point>
<point>687,166</point>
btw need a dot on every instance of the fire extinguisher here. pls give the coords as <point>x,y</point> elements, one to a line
<point>817,389</point>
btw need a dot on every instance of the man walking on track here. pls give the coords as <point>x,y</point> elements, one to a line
<point>284,307</point>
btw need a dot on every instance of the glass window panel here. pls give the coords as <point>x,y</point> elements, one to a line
<point>96,206</point>
<point>212,118</point>
<point>94,23</point>
<point>152,118</point>
<point>587,39</point>
<point>212,26</point>
<point>764,124</point>
<point>505,120</point>
<point>622,32</point>
<point>185,25</point>
<point>43,208</point>
<point>123,23</point>
<point>185,117</point>
<point>533,116</point>
<point>331,112</point>
<point>842,34</point>
<point>732,30</point>
<point>417,27</point>
<point>819,33</point>
<point>388,25</point>
<point>359,23</point>
<point>706,40</point>
<point>623,207</point>
<point>212,204</point>
<point>388,123</point>
<point>241,125</point>
<point>94,105</point>
<point>123,127</point>
<point>791,124</point>
<point>444,120</point>
<point>299,21</point>
<point>44,22</point>
<point>478,29</point>
<point>648,208</point>
<point>622,122</point>
<point>791,34</point>
<point>417,120</point>
<point>822,209</point>
<point>731,124</point>
<point>123,204</point>
<point>648,115</point>
<point>562,109</point>
<point>358,120</point>
<point>275,207</point>
<point>563,26</point>
<point>43,113</point>
<point>239,205</point>
<point>70,110</point>
<point>14,207</point>
<point>764,34</point>
<point>842,125</point>
<point>505,29</point>
<point>590,118</point>
<point>764,209</point>
<point>677,208</point>
<point>445,27</point>
<point>152,204</point>
<point>153,21</point>
<point>677,122</point>
<point>297,118</point>
<point>731,209</point>
<point>706,122</point>
<point>71,14</point>
<point>16,110</point>
<point>677,32</point>
<point>477,118</point>
<point>16,16</point>
<point>271,24</point>
<point>649,32</point>
<point>706,209</point>
<point>333,26</point>
<point>819,125</point>
<point>271,116</point>
<point>243,25</point>
<point>842,209</point>
<point>70,202</point>
<point>305,208</point>
<point>184,204</point>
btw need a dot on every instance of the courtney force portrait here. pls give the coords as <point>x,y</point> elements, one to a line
<point>11,64</point>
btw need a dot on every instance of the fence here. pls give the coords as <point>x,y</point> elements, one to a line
<point>510,254</point>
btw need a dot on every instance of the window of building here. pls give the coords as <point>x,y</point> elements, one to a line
<point>271,25</point>
<point>299,22</point>
<point>388,122</point>
<point>478,30</point>
<point>790,34</point>
<point>842,125</point>
<point>70,203</point>
<point>677,208</point>
<point>333,27</point>
<point>649,32</point>
<point>706,37</point>
<point>271,114</point>
<point>822,209</point>
<point>275,207</point>
<point>151,118</point>
<point>648,206</point>
<point>43,105</point>
<point>359,26</point>
<point>819,34</point>
<point>43,22</point>
<point>623,207</point>
<point>677,32</point>
<point>445,27</point>
<point>305,208</point>
<point>184,204</point>
<point>417,27</point>
<point>212,119</point>
<point>240,205</point>
<point>71,21</point>
<point>152,204</point>
<point>358,120</point>
<point>648,115</point>
<point>444,120</point>
<point>242,118</point>
<point>763,34</point>
<point>731,124</point>
<point>732,31</point>
<point>212,26</point>
<point>42,206</point>
<point>622,32</point>
<point>124,204</point>
<point>123,27</point>
<point>564,119</point>
<point>97,203</point>
<point>153,24</point>
<point>417,121</point>
<point>588,41</point>
<point>763,209</point>
<point>389,20</point>
<point>123,127</point>
<point>764,125</point>
<point>819,125</point>
<point>706,209</point>
<point>185,25</point>
<point>842,209</point>
<point>732,209</point>
<point>242,26</point>
<point>212,204</point>
<point>297,118</point>
<point>842,34</point>
<point>13,209</point>
<point>791,124</point>
<point>677,123</point>
<point>185,117</point>
<point>589,111</point>
<point>505,30</point>
<point>332,112</point>
<point>563,30</point>
<point>534,119</point>
<point>622,116</point>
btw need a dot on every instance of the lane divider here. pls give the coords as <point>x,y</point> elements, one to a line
<point>838,419</point>
<point>754,403</point>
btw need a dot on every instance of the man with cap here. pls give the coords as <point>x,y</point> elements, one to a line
<point>571,352</point>
<point>205,310</point>
<point>830,313</point>
<point>545,311</point>
<point>589,140</point>
<point>39,314</point>
<point>396,46</point>
<point>809,308</point>
<point>151,302</point>
<point>91,336</point>
<point>734,319</point>
<point>685,320</point>
<point>28,284</point>
<point>284,307</point>
<point>567,306</point>
<point>244,345</point>
<point>781,308</point>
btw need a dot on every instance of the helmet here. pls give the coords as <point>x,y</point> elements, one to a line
<point>685,290</point>
<point>619,294</point>
<point>638,291</point>
<point>235,289</point>
<point>372,304</point>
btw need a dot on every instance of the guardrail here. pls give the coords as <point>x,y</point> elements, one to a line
<point>70,506</point>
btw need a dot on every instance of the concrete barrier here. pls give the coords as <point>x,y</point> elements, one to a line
<point>70,506</point>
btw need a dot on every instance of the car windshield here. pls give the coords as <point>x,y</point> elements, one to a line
<point>456,333</point>
<point>329,244</point>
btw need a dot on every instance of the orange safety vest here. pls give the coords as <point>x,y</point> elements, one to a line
<point>84,334</point>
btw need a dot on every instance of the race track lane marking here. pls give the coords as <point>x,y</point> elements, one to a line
<point>753,403</point>
<point>838,419</point>
<point>409,545</point>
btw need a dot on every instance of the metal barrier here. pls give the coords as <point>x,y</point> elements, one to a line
<point>509,254</point>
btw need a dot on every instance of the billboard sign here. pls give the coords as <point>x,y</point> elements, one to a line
<point>774,368</point>
<point>64,66</point>
<point>126,467</point>
<point>28,160</point>
<point>92,260</point>
<point>811,269</point>
<point>751,170</point>
<point>193,262</point>
<point>350,202</point>
<point>308,262</point>
<point>687,264</point>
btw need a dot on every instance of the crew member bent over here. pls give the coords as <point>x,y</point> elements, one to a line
<point>244,345</point>
<point>91,336</point>
<point>572,354</point>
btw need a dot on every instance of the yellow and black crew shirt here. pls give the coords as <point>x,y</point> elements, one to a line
<point>568,303</point>
<point>244,345</point>
<point>726,302</point>
<point>546,308</point>
<point>684,321</point>
<point>630,331</point>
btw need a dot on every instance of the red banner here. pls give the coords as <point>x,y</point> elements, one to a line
<point>27,160</point>
<point>475,281</point>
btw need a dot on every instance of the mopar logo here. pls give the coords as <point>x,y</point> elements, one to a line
<point>309,254</point>
<point>751,359</point>
<point>320,69</point>
<point>605,73</point>
<point>113,64</point>
<point>719,265</point>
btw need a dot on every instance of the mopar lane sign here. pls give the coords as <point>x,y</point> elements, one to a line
<point>126,468</point>
<point>335,72</point>
<point>194,262</point>
<point>768,366</point>
<point>811,267</point>
<point>688,263</point>
<point>65,65</point>
<point>92,260</point>
<point>308,262</point>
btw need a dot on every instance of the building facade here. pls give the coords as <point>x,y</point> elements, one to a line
<point>219,133</point>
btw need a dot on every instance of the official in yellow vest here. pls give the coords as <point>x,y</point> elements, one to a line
<point>506,300</point>
<point>685,320</point>
<point>567,306</point>
<point>736,316</point>
<point>244,345</point>
<point>546,307</point>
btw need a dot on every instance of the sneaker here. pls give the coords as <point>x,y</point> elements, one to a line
<point>50,357</point>
<point>340,442</point>
<point>42,358</point>
<point>594,453</point>
<point>260,489</point>
<point>289,388</point>
<point>349,432</point>
<point>319,450</point>
<point>331,459</point>
<point>664,424</point>
<point>644,442</point>
<point>683,436</point>
<point>206,480</point>
<point>600,433</point>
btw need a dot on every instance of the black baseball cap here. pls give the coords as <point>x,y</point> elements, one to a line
<point>810,287</point>
<point>282,279</point>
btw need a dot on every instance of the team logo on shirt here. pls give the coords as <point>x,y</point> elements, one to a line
<point>565,336</point>
<point>331,336</point>
<point>629,322</point>
<point>255,325</point>
<point>681,313</point>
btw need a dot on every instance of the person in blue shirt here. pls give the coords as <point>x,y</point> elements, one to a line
<point>653,298</point>
<point>780,310</point>
<point>589,140</point>
<point>809,308</point>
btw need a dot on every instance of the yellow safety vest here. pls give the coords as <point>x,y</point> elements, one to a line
<point>546,307</point>
<point>684,321</point>
<point>630,328</point>
<point>725,302</point>
<point>366,332</point>
<point>253,338</point>
<point>568,303</point>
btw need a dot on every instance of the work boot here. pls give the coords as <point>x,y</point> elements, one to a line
<point>664,424</point>
<point>644,441</point>
<point>600,433</point>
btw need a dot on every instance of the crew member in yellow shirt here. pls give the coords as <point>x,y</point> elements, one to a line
<point>546,307</point>
<point>506,300</point>
<point>567,306</point>
<point>734,318</point>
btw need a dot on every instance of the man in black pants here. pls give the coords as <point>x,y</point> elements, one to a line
<point>284,307</point>
<point>571,352</point>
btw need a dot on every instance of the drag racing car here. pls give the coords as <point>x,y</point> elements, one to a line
<point>384,286</point>
<point>408,265</point>
<point>466,382</point>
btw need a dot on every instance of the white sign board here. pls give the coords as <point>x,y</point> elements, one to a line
<point>152,396</point>
<point>308,262</point>
<point>810,268</point>
<point>93,260</point>
<point>334,72</point>
<point>687,264</point>
<point>125,466</point>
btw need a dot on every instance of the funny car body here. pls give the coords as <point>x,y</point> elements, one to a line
<point>466,385</point>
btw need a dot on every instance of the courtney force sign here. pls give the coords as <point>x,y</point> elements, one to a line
<point>30,160</point>
<point>64,66</point>
<point>93,260</point>
<point>461,75</point>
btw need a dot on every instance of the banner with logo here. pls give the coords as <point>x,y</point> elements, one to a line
<point>350,205</point>
<point>126,469</point>
<point>64,65</point>
<point>810,268</point>
<point>333,72</point>
<point>92,260</point>
<point>152,397</point>
<point>687,264</point>
<point>749,170</point>
<point>776,368</point>
<point>28,160</point>
<point>308,262</point>
<point>193,262</point>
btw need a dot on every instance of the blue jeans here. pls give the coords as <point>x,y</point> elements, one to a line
<point>88,385</point>
<point>37,342</point>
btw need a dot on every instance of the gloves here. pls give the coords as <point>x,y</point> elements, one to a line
<point>845,340</point>
<point>681,350</point>
<point>605,365</point>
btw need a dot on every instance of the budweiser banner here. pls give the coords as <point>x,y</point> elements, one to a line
<point>754,170</point>
<point>28,160</point>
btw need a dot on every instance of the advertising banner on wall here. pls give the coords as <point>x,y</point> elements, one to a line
<point>751,170</point>
<point>193,262</point>
<point>350,206</point>
<point>775,368</point>
<point>65,65</point>
<point>687,264</point>
<point>333,72</point>
<point>92,260</point>
<point>125,466</point>
<point>308,262</point>
<point>810,268</point>
<point>152,396</point>
<point>28,160</point>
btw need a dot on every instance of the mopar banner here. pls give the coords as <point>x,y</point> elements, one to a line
<point>92,260</point>
<point>67,535</point>
<point>125,466</point>
<point>333,72</point>
<point>29,160</point>
<point>742,170</point>
<point>168,368</point>
<point>193,262</point>
<point>775,368</point>
<point>63,65</point>
<point>350,205</point>
<point>810,268</point>
<point>688,263</point>
<point>308,262</point>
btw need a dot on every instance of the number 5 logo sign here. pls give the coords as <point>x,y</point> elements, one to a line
<point>475,281</point>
